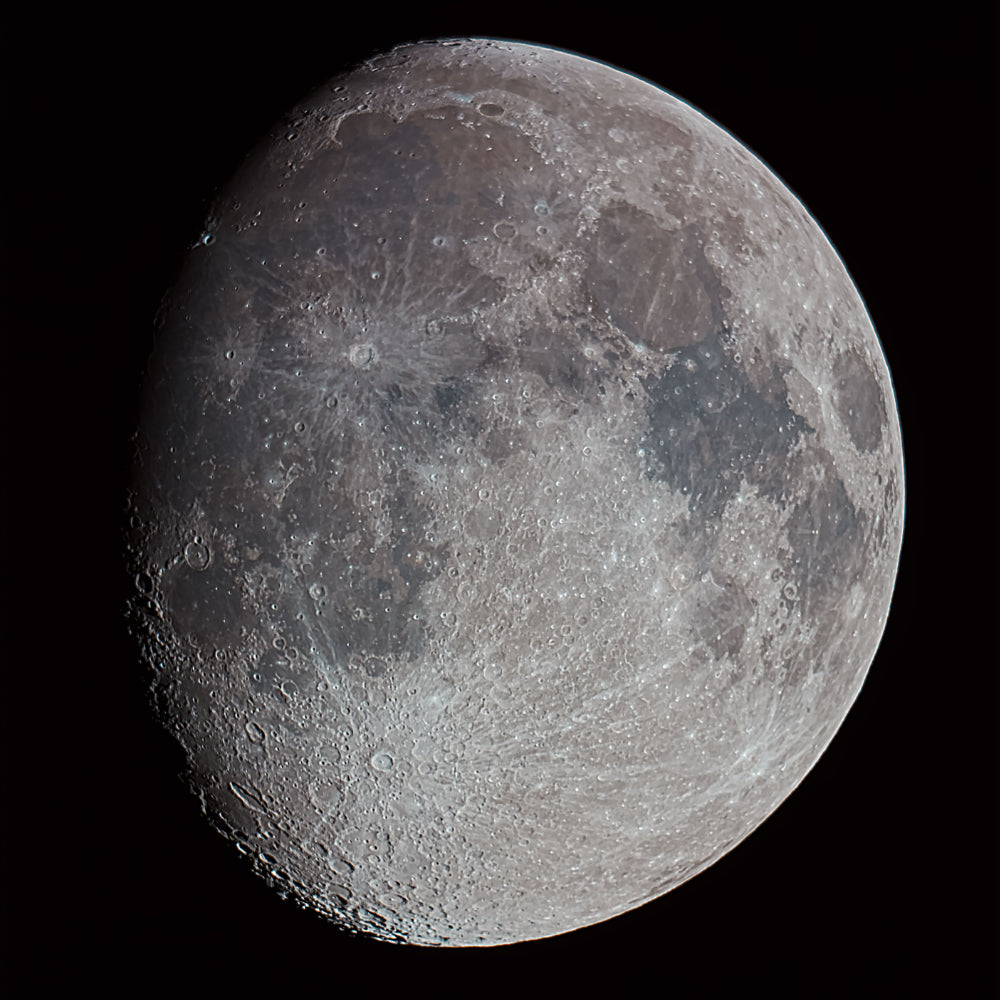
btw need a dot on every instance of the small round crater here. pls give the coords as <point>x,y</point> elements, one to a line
<point>682,575</point>
<point>196,554</point>
<point>504,231</point>
<point>382,761</point>
<point>374,666</point>
<point>363,355</point>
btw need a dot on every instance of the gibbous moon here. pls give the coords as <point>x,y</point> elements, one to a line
<point>518,497</point>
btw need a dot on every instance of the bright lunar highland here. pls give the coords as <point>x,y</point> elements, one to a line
<point>518,496</point>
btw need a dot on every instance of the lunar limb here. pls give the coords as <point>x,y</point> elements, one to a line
<point>518,498</point>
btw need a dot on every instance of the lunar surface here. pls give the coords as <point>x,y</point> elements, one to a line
<point>518,497</point>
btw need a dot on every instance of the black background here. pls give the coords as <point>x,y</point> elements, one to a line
<point>876,878</point>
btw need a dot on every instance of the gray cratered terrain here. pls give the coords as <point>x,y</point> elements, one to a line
<point>518,497</point>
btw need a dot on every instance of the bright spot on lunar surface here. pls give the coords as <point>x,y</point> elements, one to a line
<point>518,497</point>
